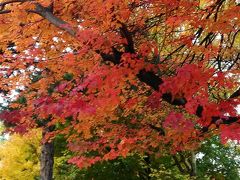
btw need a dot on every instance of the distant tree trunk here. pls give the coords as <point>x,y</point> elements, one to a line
<point>148,168</point>
<point>194,164</point>
<point>47,158</point>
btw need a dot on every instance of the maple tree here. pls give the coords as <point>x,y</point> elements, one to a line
<point>140,76</point>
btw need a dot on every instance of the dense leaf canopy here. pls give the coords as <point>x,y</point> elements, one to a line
<point>122,76</point>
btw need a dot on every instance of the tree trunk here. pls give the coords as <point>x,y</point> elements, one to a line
<point>47,158</point>
<point>194,164</point>
<point>148,166</point>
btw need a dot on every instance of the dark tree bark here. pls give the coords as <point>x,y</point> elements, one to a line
<point>47,159</point>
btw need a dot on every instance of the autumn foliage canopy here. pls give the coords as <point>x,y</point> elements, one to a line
<point>117,77</point>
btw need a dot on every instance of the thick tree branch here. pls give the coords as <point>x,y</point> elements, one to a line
<point>127,34</point>
<point>47,13</point>
<point>150,79</point>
